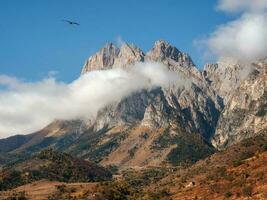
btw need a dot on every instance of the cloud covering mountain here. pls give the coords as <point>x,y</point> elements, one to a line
<point>28,106</point>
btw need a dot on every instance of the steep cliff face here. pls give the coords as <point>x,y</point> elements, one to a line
<point>225,76</point>
<point>164,52</point>
<point>244,115</point>
<point>111,57</point>
<point>197,106</point>
<point>104,59</point>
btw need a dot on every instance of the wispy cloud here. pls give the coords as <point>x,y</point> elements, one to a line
<point>28,106</point>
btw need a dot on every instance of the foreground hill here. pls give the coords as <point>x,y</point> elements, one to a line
<point>239,172</point>
<point>51,165</point>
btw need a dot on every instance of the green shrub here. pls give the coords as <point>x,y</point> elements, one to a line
<point>159,194</point>
<point>228,194</point>
<point>221,171</point>
<point>17,196</point>
<point>247,190</point>
<point>61,188</point>
<point>144,136</point>
<point>132,151</point>
<point>215,188</point>
<point>113,168</point>
<point>114,190</point>
<point>236,163</point>
<point>262,111</point>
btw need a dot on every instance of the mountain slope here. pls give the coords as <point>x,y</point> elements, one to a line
<point>238,172</point>
<point>51,165</point>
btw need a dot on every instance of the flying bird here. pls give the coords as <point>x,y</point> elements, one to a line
<point>71,22</point>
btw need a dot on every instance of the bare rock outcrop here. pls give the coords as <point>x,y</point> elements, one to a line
<point>244,115</point>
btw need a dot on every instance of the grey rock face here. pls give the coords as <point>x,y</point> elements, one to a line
<point>244,115</point>
<point>224,77</point>
<point>111,57</point>
<point>104,59</point>
<point>163,51</point>
<point>174,59</point>
<point>129,54</point>
<point>195,105</point>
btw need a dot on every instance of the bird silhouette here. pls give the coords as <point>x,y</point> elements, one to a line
<point>71,22</point>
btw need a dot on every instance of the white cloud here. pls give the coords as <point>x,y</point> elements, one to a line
<point>243,39</point>
<point>29,106</point>
<point>242,5</point>
<point>8,81</point>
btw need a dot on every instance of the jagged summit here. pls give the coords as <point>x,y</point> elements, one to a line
<point>111,56</point>
<point>104,59</point>
<point>162,50</point>
<point>128,55</point>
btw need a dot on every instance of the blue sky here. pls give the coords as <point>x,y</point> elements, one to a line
<point>34,40</point>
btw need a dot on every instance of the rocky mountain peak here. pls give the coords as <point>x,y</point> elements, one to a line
<point>103,59</point>
<point>162,50</point>
<point>111,56</point>
<point>130,49</point>
<point>128,55</point>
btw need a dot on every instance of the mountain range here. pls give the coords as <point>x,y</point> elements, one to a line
<point>216,107</point>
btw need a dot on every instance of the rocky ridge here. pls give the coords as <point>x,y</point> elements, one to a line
<point>197,105</point>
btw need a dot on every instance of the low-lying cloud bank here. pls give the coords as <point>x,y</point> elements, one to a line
<point>243,39</point>
<point>26,107</point>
